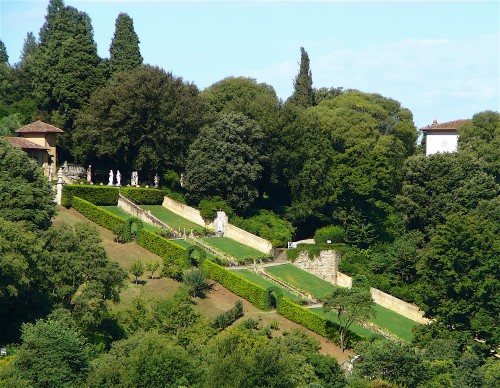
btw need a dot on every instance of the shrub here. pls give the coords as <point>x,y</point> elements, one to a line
<point>96,214</point>
<point>125,233</point>
<point>313,250</point>
<point>195,255</point>
<point>229,317</point>
<point>136,269</point>
<point>172,180</point>
<point>97,195</point>
<point>196,282</point>
<point>143,196</point>
<point>268,226</point>
<point>333,233</point>
<point>252,292</point>
<point>208,208</point>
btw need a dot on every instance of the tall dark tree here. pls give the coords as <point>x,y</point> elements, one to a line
<point>141,120</point>
<point>225,160</point>
<point>65,70</point>
<point>124,50</point>
<point>29,47</point>
<point>303,94</point>
<point>4,58</point>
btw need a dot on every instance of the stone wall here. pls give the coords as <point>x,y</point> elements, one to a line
<point>136,211</point>
<point>231,231</point>
<point>326,267</point>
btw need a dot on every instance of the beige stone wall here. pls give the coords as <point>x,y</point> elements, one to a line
<point>326,267</point>
<point>136,211</point>
<point>231,231</point>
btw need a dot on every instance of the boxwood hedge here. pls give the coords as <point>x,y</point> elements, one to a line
<point>96,214</point>
<point>143,196</point>
<point>98,195</point>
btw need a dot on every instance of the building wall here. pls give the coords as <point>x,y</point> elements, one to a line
<point>441,141</point>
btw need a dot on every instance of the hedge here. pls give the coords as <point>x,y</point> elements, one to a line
<point>98,195</point>
<point>315,322</point>
<point>158,245</point>
<point>96,214</point>
<point>252,292</point>
<point>229,317</point>
<point>143,196</point>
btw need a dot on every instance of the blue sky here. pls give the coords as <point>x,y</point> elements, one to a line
<point>439,59</point>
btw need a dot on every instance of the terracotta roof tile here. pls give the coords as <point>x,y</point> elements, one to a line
<point>39,127</point>
<point>23,143</point>
<point>448,126</point>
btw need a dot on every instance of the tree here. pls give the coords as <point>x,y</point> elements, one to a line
<point>226,160</point>
<point>25,194</point>
<point>389,361</point>
<point>350,304</point>
<point>196,282</point>
<point>152,266</point>
<point>437,185</point>
<point>303,94</point>
<point>481,137</point>
<point>136,269</point>
<point>4,58</point>
<point>142,120</point>
<point>65,68</point>
<point>52,355</point>
<point>124,53</point>
<point>459,274</point>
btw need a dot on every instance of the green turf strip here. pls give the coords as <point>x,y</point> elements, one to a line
<point>261,281</point>
<point>171,219</point>
<point>301,280</point>
<point>354,327</point>
<point>233,248</point>
<point>123,214</point>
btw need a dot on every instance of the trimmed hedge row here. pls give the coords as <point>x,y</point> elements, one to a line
<point>96,214</point>
<point>314,322</point>
<point>159,246</point>
<point>143,196</point>
<point>252,292</point>
<point>229,317</point>
<point>98,195</point>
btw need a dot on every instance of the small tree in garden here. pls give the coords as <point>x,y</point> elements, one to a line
<point>137,269</point>
<point>152,266</point>
<point>350,304</point>
<point>196,282</point>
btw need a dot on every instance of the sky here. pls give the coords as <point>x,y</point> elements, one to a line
<point>440,59</point>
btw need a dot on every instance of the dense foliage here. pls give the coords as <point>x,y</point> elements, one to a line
<point>124,53</point>
<point>143,196</point>
<point>98,195</point>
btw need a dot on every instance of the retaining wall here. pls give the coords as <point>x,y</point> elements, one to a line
<point>136,211</point>
<point>230,231</point>
<point>326,267</point>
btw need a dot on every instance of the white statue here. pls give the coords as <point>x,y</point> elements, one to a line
<point>157,181</point>
<point>134,182</point>
<point>110,182</point>
<point>89,174</point>
<point>118,178</point>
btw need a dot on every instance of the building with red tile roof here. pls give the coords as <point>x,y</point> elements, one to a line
<point>442,137</point>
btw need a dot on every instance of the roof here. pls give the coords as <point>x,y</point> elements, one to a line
<point>23,143</point>
<point>39,127</point>
<point>448,126</point>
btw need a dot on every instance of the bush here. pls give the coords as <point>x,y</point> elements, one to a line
<point>313,250</point>
<point>195,255</point>
<point>252,292</point>
<point>96,214</point>
<point>125,233</point>
<point>195,281</point>
<point>333,233</point>
<point>268,226</point>
<point>208,208</point>
<point>97,195</point>
<point>229,317</point>
<point>143,196</point>
<point>172,180</point>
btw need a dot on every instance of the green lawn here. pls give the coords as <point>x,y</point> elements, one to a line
<point>233,248</point>
<point>187,244</point>
<point>354,327</point>
<point>393,322</point>
<point>261,281</point>
<point>123,214</point>
<point>301,280</point>
<point>171,219</point>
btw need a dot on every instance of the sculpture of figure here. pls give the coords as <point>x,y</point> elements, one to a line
<point>136,179</point>
<point>118,178</point>
<point>89,174</point>
<point>51,172</point>
<point>110,182</point>
<point>157,181</point>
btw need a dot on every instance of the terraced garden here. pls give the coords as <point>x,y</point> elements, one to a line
<point>123,214</point>
<point>171,219</point>
<point>261,281</point>
<point>306,282</point>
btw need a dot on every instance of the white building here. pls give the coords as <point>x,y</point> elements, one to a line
<point>441,138</point>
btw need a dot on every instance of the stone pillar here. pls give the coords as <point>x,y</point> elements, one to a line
<point>59,186</point>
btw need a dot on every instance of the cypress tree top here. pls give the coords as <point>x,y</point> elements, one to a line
<point>303,94</point>
<point>124,50</point>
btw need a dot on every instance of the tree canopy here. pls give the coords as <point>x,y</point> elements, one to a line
<point>124,52</point>
<point>303,94</point>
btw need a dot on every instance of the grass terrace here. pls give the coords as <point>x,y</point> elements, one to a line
<point>301,280</point>
<point>261,281</point>
<point>171,219</point>
<point>354,327</point>
<point>233,248</point>
<point>394,323</point>
<point>123,214</point>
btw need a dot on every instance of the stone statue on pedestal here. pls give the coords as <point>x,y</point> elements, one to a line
<point>110,182</point>
<point>118,178</point>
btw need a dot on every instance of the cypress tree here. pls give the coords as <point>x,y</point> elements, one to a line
<point>124,50</point>
<point>303,94</point>
<point>4,58</point>
<point>29,48</point>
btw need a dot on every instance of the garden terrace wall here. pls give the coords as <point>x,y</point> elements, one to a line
<point>231,231</point>
<point>130,207</point>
